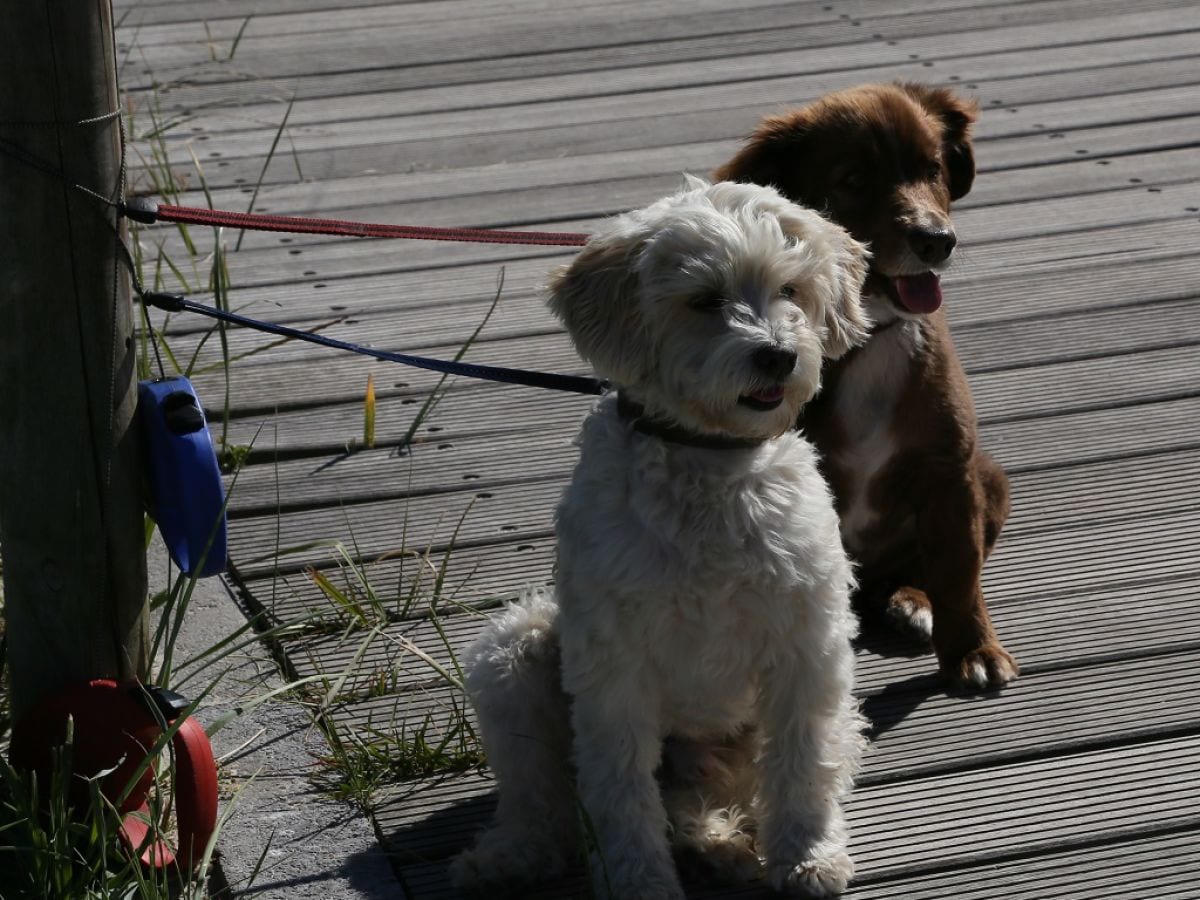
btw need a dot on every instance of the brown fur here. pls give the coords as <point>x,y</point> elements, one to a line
<point>885,161</point>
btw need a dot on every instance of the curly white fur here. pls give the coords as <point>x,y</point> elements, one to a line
<point>702,593</point>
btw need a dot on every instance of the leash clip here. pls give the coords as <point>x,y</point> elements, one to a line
<point>164,301</point>
<point>140,209</point>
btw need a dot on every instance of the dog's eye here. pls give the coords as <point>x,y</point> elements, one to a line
<point>707,303</point>
<point>787,291</point>
<point>934,172</point>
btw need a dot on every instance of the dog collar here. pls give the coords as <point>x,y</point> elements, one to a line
<point>879,329</point>
<point>634,413</point>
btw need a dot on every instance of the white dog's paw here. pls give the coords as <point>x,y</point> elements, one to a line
<point>495,862</point>
<point>825,876</point>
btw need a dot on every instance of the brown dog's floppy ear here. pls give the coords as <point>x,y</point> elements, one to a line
<point>596,298</point>
<point>769,154</point>
<point>841,314</point>
<point>958,114</point>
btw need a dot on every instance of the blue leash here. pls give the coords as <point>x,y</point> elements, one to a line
<point>577,384</point>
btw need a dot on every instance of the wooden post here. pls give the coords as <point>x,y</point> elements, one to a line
<point>70,505</point>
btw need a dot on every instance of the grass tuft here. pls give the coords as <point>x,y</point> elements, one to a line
<point>361,761</point>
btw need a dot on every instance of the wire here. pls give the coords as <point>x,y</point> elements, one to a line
<point>49,123</point>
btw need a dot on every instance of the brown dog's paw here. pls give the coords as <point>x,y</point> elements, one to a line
<point>910,612</point>
<point>985,668</point>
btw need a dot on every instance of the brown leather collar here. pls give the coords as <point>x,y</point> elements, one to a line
<point>672,432</point>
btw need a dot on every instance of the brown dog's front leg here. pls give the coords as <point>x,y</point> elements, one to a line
<point>951,537</point>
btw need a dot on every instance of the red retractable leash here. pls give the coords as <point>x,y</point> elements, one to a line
<point>114,730</point>
<point>148,211</point>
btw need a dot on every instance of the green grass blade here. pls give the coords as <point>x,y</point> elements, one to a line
<point>238,38</point>
<point>369,413</point>
<point>435,396</point>
<point>266,164</point>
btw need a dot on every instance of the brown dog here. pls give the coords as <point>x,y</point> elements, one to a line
<point>921,505</point>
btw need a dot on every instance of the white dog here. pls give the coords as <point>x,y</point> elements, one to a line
<point>702,588</point>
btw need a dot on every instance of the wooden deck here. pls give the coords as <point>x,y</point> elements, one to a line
<point>1075,301</point>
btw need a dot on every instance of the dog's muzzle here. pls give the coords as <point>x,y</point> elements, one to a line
<point>932,245</point>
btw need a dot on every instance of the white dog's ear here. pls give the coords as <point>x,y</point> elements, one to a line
<point>842,314</point>
<point>596,297</point>
<point>845,317</point>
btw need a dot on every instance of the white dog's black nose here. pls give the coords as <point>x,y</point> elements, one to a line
<point>775,362</point>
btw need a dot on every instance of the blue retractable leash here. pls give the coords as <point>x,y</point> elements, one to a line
<point>187,498</point>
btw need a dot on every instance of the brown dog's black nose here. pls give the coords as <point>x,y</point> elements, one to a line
<point>774,362</point>
<point>931,245</point>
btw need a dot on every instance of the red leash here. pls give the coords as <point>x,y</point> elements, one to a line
<point>142,209</point>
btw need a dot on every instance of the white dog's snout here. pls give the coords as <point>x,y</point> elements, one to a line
<point>775,361</point>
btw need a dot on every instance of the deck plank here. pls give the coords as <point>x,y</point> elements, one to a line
<point>916,729</point>
<point>374,120</point>
<point>935,822</point>
<point>1106,596</point>
<point>939,30</point>
<point>262,383</point>
<point>1159,866</point>
<point>377,527</point>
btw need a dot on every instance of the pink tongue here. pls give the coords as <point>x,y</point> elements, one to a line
<point>769,395</point>
<point>919,293</point>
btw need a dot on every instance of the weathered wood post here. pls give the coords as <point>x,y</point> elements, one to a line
<point>70,511</point>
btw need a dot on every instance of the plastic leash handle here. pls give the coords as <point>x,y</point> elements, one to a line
<point>116,724</point>
<point>195,805</point>
<point>187,497</point>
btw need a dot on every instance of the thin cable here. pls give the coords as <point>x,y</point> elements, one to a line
<point>119,196</point>
<point>47,123</point>
<point>24,156</point>
<point>162,372</point>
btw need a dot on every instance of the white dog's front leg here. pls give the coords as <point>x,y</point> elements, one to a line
<point>812,740</point>
<point>617,748</point>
